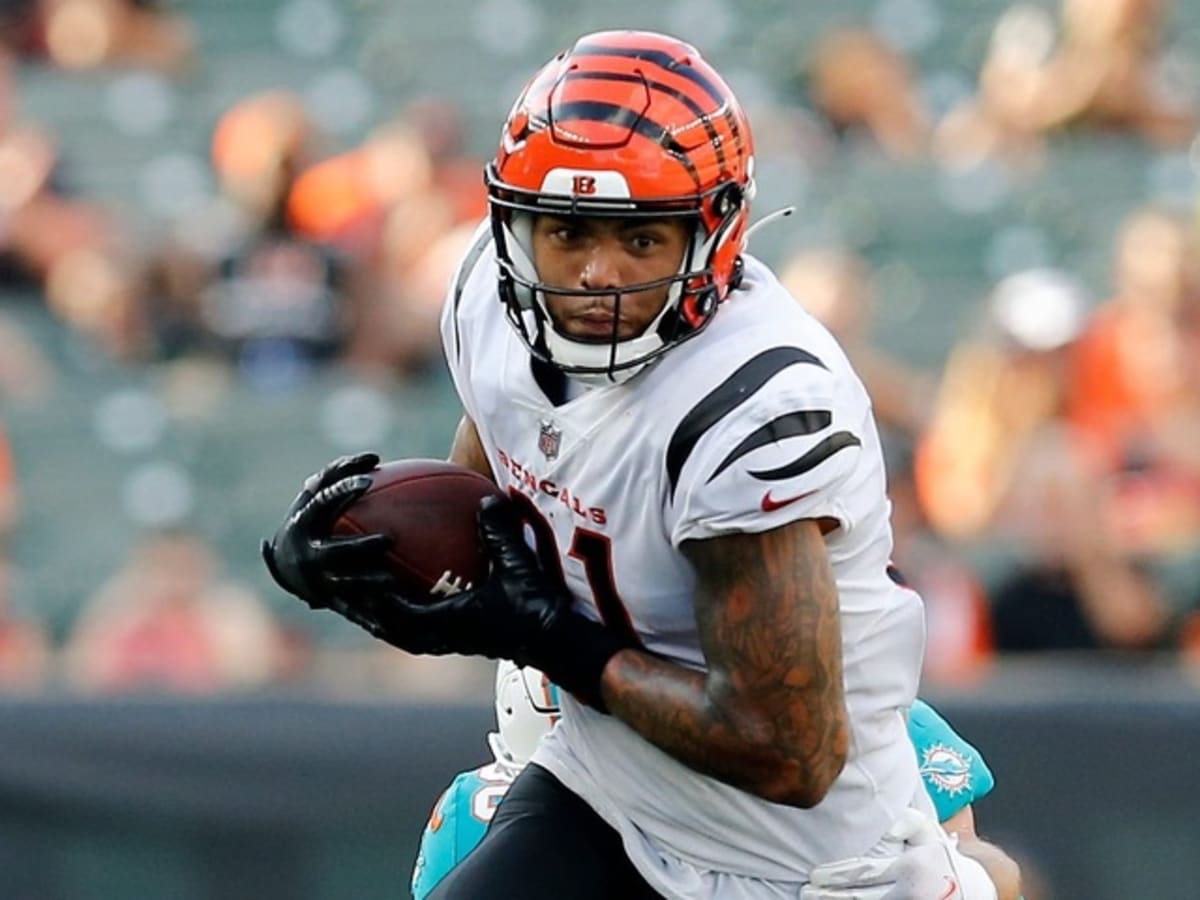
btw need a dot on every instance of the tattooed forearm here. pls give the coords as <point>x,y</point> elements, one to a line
<point>769,716</point>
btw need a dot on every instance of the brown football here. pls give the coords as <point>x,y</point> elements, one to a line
<point>428,508</point>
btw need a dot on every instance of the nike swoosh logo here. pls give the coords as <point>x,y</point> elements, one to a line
<point>951,888</point>
<point>770,504</point>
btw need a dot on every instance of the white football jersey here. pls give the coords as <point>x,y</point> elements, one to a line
<point>755,422</point>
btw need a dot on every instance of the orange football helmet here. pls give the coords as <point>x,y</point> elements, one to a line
<point>625,124</point>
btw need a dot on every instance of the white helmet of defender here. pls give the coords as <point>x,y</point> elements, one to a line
<point>526,708</point>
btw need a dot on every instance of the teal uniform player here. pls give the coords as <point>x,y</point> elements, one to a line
<point>526,708</point>
<point>458,822</point>
<point>955,773</point>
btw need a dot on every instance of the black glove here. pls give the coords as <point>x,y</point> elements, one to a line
<point>517,614</point>
<point>303,557</point>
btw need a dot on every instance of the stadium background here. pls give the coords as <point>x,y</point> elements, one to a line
<point>317,786</point>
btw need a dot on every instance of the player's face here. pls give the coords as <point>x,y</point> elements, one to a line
<point>574,252</point>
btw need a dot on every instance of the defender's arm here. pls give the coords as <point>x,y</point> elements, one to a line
<point>1000,867</point>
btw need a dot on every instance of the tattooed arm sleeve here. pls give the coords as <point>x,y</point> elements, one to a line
<point>769,716</point>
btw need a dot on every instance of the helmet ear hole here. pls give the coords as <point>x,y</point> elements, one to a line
<point>729,199</point>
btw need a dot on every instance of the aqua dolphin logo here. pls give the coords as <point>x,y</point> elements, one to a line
<point>947,769</point>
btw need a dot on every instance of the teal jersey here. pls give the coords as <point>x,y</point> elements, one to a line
<point>954,772</point>
<point>459,819</point>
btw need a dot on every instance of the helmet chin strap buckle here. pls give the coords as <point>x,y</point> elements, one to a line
<point>739,272</point>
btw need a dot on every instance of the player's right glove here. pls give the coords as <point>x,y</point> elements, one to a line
<point>304,558</point>
<point>517,614</point>
<point>929,868</point>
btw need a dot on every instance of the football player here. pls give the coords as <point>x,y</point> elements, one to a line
<point>699,471</point>
<point>526,702</point>
<point>527,707</point>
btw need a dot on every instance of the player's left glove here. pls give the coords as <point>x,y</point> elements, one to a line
<point>929,868</point>
<point>305,558</point>
<point>517,614</point>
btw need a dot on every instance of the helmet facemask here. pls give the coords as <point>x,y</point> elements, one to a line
<point>624,125</point>
<point>692,292</point>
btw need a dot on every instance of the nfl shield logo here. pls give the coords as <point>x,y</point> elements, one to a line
<point>548,439</point>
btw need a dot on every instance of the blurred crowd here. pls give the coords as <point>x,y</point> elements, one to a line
<point>1046,486</point>
<point>1045,480</point>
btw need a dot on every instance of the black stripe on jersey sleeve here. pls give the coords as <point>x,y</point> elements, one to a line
<point>725,398</point>
<point>838,441</point>
<point>806,421</point>
<point>460,283</point>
